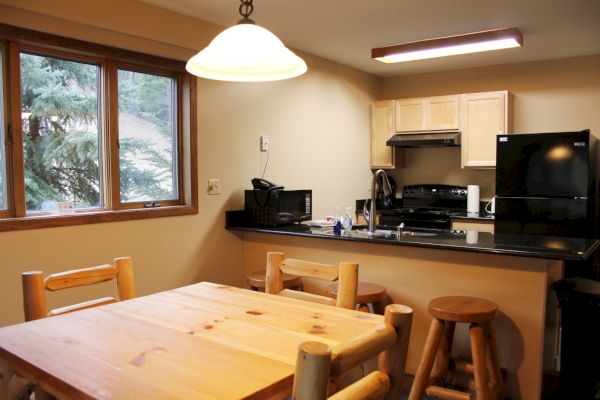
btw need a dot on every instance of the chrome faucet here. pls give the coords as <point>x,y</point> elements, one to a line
<point>400,230</point>
<point>370,215</point>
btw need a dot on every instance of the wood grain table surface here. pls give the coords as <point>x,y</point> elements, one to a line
<point>204,341</point>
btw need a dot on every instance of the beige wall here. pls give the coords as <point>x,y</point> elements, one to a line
<point>318,125</point>
<point>549,95</point>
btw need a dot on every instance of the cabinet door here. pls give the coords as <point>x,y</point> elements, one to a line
<point>410,115</point>
<point>382,128</point>
<point>442,113</point>
<point>484,116</point>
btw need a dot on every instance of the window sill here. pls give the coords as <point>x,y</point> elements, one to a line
<point>95,217</point>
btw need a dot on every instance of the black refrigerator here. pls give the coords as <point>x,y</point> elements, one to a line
<point>546,184</point>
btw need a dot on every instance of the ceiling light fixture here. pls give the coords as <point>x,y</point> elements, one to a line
<point>246,52</point>
<point>449,46</point>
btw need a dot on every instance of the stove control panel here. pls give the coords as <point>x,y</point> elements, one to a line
<point>448,192</point>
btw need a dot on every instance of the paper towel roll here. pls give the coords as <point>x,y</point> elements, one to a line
<point>473,198</point>
<point>472,237</point>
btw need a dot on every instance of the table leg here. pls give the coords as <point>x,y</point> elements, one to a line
<point>5,375</point>
<point>20,388</point>
<point>12,386</point>
<point>41,394</point>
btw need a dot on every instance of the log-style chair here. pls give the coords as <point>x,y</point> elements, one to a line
<point>34,304</point>
<point>317,362</point>
<point>35,286</point>
<point>347,273</point>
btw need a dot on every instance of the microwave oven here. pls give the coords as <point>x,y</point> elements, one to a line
<point>277,206</point>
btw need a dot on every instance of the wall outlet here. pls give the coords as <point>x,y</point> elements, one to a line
<point>214,186</point>
<point>264,143</point>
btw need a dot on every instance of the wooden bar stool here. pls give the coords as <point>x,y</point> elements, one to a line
<point>256,281</point>
<point>367,293</point>
<point>446,312</point>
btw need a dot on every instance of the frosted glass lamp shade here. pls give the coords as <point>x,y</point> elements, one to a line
<point>246,53</point>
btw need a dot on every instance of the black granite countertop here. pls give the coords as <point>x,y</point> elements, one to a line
<point>550,247</point>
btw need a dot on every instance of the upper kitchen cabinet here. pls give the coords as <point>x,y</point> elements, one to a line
<point>483,117</point>
<point>382,128</point>
<point>427,114</point>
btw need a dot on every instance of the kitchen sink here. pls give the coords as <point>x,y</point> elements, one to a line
<point>377,233</point>
<point>411,233</point>
<point>390,233</point>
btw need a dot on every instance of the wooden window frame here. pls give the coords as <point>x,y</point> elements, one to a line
<point>5,213</point>
<point>15,40</point>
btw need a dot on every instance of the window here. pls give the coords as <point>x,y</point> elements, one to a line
<point>147,137</point>
<point>98,134</point>
<point>61,132</point>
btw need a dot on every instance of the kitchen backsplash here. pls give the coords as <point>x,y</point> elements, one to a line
<point>441,165</point>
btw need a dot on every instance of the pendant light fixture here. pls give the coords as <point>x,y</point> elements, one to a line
<point>450,45</point>
<point>246,52</point>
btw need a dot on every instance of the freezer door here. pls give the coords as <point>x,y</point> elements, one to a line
<point>553,217</point>
<point>543,165</point>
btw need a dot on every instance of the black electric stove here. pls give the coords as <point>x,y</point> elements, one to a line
<point>426,206</point>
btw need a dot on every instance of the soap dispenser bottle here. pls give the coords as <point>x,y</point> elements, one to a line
<point>347,220</point>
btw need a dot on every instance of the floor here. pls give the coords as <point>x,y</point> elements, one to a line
<point>550,386</point>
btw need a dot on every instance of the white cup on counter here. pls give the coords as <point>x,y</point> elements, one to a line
<point>473,198</point>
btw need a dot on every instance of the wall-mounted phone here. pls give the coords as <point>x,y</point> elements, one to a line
<point>263,184</point>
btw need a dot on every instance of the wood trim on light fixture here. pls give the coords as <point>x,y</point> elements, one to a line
<point>469,38</point>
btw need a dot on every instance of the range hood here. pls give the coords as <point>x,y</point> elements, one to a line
<point>437,139</point>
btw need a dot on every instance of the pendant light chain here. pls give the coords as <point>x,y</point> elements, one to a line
<point>246,8</point>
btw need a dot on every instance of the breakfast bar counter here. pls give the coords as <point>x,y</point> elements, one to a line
<point>559,248</point>
<point>514,271</point>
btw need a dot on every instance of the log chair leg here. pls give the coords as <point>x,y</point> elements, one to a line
<point>492,361</point>
<point>393,360</point>
<point>313,362</point>
<point>479,362</point>
<point>432,342</point>
<point>442,359</point>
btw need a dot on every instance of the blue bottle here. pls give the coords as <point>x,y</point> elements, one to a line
<point>337,222</point>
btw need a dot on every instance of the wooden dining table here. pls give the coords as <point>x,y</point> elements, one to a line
<point>203,341</point>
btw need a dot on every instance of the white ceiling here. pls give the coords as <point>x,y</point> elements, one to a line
<point>345,30</point>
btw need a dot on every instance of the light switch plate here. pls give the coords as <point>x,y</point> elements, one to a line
<point>214,186</point>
